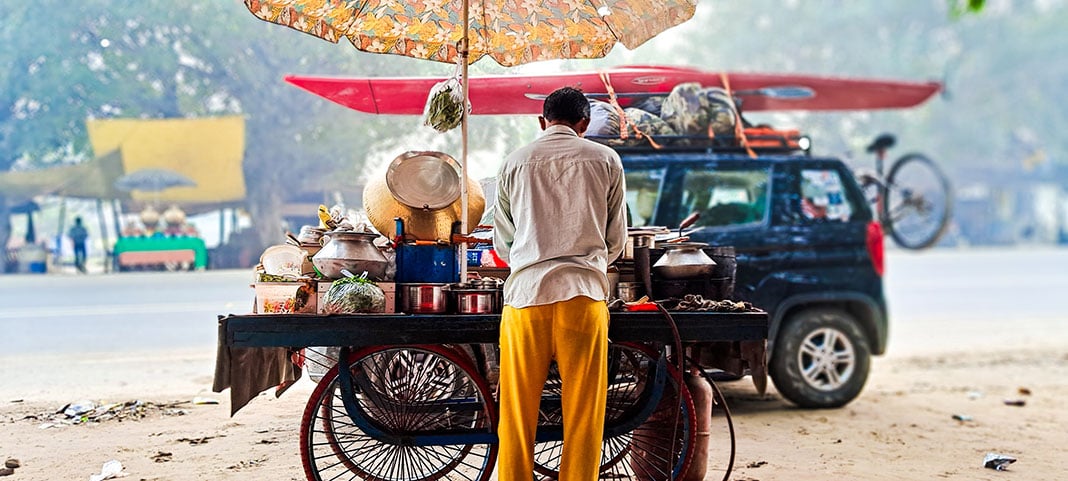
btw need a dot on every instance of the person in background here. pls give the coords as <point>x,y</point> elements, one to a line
<point>78,235</point>
<point>559,221</point>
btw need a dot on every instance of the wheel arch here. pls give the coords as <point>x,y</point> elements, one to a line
<point>863,308</point>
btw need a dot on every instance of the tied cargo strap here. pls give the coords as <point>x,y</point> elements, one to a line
<point>624,122</point>
<point>739,129</point>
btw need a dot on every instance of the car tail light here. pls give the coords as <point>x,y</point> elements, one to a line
<point>874,241</point>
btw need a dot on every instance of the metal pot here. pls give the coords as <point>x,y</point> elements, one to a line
<point>422,298</point>
<point>637,240</point>
<point>353,251</point>
<point>629,291</point>
<point>311,234</point>
<point>684,260</point>
<point>476,301</point>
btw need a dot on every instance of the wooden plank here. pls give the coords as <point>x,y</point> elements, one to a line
<point>300,330</point>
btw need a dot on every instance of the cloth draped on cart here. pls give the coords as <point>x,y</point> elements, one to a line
<point>248,371</point>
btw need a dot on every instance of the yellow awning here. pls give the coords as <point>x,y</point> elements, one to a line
<point>209,151</point>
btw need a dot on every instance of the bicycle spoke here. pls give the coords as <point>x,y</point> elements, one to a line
<point>401,391</point>
<point>916,206</point>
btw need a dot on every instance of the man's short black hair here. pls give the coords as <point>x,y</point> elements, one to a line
<point>566,104</point>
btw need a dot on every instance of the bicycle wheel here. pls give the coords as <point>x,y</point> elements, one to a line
<point>659,449</point>
<point>400,390</point>
<point>917,204</point>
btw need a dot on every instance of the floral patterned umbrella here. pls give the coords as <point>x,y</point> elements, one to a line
<point>512,32</point>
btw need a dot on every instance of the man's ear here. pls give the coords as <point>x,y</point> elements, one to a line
<point>541,121</point>
<point>581,126</point>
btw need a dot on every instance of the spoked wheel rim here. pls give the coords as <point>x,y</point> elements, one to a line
<point>827,359</point>
<point>646,453</point>
<point>916,209</point>
<point>333,447</point>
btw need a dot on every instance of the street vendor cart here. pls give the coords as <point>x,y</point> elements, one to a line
<point>412,396</point>
<point>407,389</point>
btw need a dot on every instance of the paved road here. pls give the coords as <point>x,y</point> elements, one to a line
<point>953,300</point>
<point>939,300</point>
<point>64,336</point>
<point>118,312</point>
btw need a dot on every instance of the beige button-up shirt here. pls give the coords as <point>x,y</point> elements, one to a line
<point>560,218</point>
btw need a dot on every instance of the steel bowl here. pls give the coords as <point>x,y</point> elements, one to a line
<point>422,298</point>
<point>476,301</point>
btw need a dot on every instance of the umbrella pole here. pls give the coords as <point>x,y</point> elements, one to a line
<point>105,239</point>
<point>116,207</point>
<point>463,130</point>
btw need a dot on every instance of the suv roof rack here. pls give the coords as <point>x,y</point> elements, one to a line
<point>760,140</point>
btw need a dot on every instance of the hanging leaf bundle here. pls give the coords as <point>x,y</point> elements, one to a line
<point>444,108</point>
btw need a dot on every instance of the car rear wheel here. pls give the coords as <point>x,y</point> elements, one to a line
<point>821,358</point>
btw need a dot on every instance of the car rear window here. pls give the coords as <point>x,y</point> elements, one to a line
<point>725,197</point>
<point>823,196</point>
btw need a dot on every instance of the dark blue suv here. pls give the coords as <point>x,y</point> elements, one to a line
<point>808,252</point>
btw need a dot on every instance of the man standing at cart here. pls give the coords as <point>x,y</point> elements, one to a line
<point>559,220</point>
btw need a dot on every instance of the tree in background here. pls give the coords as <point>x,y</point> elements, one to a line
<point>104,59</point>
<point>151,59</point>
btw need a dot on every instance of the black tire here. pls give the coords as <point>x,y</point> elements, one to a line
<point>811,374</point>
<point>917,204</point>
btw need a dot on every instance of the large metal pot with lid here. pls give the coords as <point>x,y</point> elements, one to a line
<point>352,251</point>
<point>684,260</point>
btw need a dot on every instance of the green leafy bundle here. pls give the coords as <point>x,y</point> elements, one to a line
<point>351,295</point>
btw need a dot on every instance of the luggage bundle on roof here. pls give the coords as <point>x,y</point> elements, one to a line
<point>689,116</point>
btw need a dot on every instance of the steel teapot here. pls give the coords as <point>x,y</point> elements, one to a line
<point>352,251</point>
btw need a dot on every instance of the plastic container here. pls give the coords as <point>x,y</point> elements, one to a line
<point>276,297</point>
<point>474,257</point>
<point>283,259</point>
<point>435,264</point>
<point>32,259</point>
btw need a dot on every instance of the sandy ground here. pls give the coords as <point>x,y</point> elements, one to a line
<point>962,342</point>
<point>901,427</point>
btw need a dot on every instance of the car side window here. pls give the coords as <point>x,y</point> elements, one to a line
<point>725,197</point>
<point>644,189</point>
<point>823,196</point>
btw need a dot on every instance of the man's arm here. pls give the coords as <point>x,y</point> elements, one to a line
<point>503,225</point>
<point>616,229</point>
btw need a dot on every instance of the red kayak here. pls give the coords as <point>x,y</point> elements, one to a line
<point>523,94</point>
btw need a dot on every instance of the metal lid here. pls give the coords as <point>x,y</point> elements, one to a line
<point>683,245</point>
<point>424,180</point>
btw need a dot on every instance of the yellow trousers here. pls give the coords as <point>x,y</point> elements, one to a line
<point>575,333</point>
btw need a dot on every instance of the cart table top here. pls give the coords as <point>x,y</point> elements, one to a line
<point>302,330</point>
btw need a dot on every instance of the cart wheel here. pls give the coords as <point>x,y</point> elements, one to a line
<point>643,453</point>
<point>400,390</point>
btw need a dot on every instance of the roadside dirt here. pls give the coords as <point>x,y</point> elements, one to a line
<point>901,427</point>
